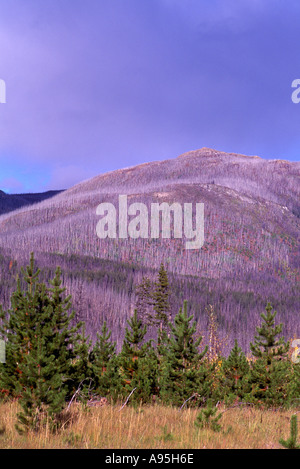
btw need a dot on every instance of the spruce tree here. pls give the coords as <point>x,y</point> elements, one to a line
<point>133,346</point>
<point>294,386</point>
<point>138,362</point>
<point>15,325</point>
<point>270,371</point>
<point>103,355</point>
<point>40,344</point>
<point>266,345</point>
<point>161,299</point>
<point>81,373</point>
<point>291,443</point>
<point>234,371</point>
<point>209,417</point>
<point>144,302</point>
<point>183,374</point>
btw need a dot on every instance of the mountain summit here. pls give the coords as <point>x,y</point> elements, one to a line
<point>250,254</point>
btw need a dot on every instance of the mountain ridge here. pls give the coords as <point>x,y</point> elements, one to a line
<point>11,202</point>
<point>250,254</point>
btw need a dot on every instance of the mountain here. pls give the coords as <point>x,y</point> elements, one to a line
<point>250,253</point>
<point>10,202</point>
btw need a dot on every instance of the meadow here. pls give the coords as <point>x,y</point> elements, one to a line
<point>149,427</point>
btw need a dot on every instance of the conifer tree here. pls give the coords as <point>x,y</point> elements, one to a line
<point>209,417</point>
<point>134,335</point>
<point>235,371</point>
<point>269,374</point>
<point>103,350</point>
<point>294,385</point>
<point>103,355</point>
<point>161,299</point>
<point>14,326</point>
<point>81,371</point>
<point>291,443</point>
<point>183,374</point>
<point>138,362</point>
<point>266,344</point>
<point>144,302</point>
<point>40,343</point>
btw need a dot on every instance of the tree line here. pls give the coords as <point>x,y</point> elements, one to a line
<point>50,360</point>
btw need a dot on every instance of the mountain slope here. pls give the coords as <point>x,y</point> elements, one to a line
<point>10,202</point>
<point>250,254</point>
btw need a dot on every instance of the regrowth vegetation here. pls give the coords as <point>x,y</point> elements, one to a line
<point>51,362</point>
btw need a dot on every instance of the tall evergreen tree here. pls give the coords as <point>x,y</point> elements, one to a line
<point>103,356</point>
<point>183,373</point>
<point>234,374</point>
<point>294,386</point>
<point>266,344</point>
<point>134,335</point>
<point>81,379</point>
<point>40,344</point>
<point>144,302</point>
<point>138,362</point>
<point>161,299</point>
<point>270,371</point>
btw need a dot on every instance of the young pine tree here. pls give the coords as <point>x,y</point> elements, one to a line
<point>270,372</point>
<point>144,302</point>
<point>294,386</point>
<point>183,374</point>
<point>209,417</point>
<point>81,371</point>
<point>266,344</point>
<point>39,347</point>
<point>103,358</point>
<point>291,443</point>
<point>138,362</point>
<point>161,300</point>
<point>234,372</point>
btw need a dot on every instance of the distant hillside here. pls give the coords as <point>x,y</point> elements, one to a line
<point>250,255</point>
<point>10,202</point>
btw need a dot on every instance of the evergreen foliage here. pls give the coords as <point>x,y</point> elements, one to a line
<point>161,299</point>
<point>234,371</point>
<point>266,344</point>
<point>103,357</point>
<point>291,443</point>
<point>209,417</point>
<point>183,372</point>
<point>40,346</point>
<point>269,375</point>
<point>145,302</point>
<point>294,386</point>
<point>138,362</point>
<point>49,357</point>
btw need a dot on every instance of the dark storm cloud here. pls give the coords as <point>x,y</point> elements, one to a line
<point>97,85</point>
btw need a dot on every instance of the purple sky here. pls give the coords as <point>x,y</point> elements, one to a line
<point>97,85</point>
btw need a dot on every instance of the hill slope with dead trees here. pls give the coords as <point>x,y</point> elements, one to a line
<point>250,254</point>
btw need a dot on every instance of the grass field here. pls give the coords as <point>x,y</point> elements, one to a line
<point>152,427</point>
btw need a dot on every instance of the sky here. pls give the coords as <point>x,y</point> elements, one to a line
<point>97,85</point>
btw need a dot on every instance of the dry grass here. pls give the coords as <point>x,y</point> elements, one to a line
<point>152,427</point>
